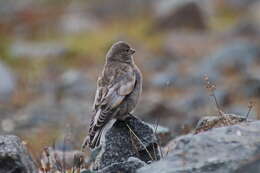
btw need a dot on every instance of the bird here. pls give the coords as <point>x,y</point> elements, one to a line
<point>118,91</point>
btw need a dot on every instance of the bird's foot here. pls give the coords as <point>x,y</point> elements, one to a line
<point>85,143</point>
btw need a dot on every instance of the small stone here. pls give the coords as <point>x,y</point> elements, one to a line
<point>7,125</point>
<point>7,84</point>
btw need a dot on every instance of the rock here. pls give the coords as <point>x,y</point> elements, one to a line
<point>158,63</point>
<point>113,8</point>
<point>189,45</point>
<point>74,83</point>
<point>232,57</point>
<point>180,14</point>
<point>251,87</point>
<point>8,9</point>
<point>171,77</point>
<point>163,80</point>
<point>168,113</point>
<point>208,123</point>
<point>119,144</point>
<point>76,20</point>
<point>14,157</point>
<point>255,14</point>
<point>220,150</point>
<point>26,49</point>
<point>163,134</point>
<point>46,111</point>
<point>239,5</point>
<point>192,101</point>
<point>252,166</point>
<point>253,73</point>
<point>7,125</point>
<point>129,166</point>
<point>7,84</point>
<point>245,27</point>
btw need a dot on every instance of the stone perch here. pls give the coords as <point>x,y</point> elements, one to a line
<point>121,148</point>
<point>14,157</point>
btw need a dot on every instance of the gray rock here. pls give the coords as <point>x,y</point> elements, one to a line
<point>163,80</point>
<point>252,166</point>
<point>199,99</point>
<point>76,20</point>
<point>251,88</point>
<point>129,166</point>
<point>180,14</point>
<point>193,101</point>
<point>234,56</point>
<point>220,150</point>
<point>211,122</point>
<point>245,27</point>
<point>46,111</point>
<point>106,9</point>
<point>14,157</point>
<point>7,84</point>
<point>168,113</point>
<point>8,9</point>
<point>171,77</point>
<point>240,4</point>
<point>75,83</point>
<point>26,49</point>
<point>120,144</point>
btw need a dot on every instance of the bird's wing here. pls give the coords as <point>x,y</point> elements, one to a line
<point>121,85</point>
<point>100,94</point>
<point>110,97</point>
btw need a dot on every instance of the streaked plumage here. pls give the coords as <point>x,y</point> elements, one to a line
<point>118,91</point>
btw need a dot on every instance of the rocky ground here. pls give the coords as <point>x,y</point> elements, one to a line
<point>52,52</point>
<point>229,148</point>
<point>221,150</point>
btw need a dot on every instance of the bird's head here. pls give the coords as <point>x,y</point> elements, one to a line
<point>120,51</point>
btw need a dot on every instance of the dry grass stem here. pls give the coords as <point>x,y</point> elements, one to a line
<point>250,107</point>
<point>211,89</point>
<point>140,141</point>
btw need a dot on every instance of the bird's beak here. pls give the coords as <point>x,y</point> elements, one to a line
<point>132,51</point>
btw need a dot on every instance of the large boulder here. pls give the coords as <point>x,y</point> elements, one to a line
<point>220,150</point>
<point>14,157</point>
<point>179,14</point>
<point>120,145</point>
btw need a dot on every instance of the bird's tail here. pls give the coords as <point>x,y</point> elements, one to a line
<point>99,124</point>
<point>96,138</point>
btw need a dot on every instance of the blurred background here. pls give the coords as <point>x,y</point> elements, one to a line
<point>51,53</point>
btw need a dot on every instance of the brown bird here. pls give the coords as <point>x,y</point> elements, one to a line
<point>118,91</point>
